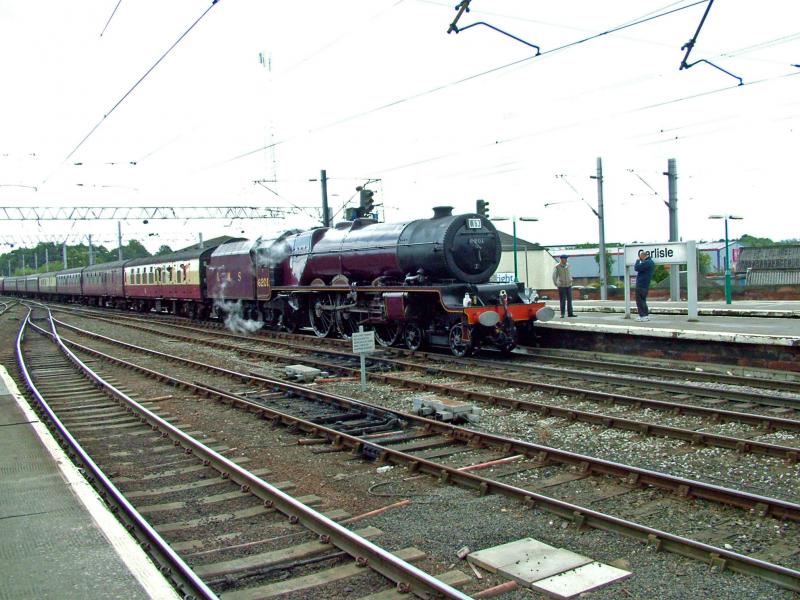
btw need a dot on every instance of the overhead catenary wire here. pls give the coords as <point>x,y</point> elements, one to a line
<point>113,12</point>
<point>336,40</point>
<point>457,82</point>
<point>141,79</point>
<point>496,142</point>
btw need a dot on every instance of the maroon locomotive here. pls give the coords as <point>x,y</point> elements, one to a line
<point>419,282</point>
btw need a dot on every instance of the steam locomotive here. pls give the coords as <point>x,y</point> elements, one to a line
<point>418,283</point>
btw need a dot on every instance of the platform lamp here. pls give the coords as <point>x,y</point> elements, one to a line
<point>728,296</point>
<point>514,235</point>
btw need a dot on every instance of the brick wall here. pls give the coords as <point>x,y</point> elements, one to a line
<point>706,293</point>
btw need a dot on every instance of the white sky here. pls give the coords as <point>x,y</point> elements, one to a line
<point>374,89</point>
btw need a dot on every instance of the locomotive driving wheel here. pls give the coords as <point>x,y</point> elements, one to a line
<point>459,346</point>
<point>387,335</point>
<point>412,336</point>
<point>507,340</point>
<point>321,315</point>
<point>346,322</point>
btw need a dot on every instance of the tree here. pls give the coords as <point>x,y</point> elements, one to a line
<point>754,242</point>
<point>164,249</point>
<point>609,264</point>
<point>703,263</point>
<point>660,273</point>
<point>134,249</point>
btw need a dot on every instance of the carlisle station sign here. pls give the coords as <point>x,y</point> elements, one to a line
<point>665,253</point>
<point>662,254</point>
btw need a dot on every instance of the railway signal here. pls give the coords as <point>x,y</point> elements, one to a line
<point>482,208</point>
<point>366,201</point>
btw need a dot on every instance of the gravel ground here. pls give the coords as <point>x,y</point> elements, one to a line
<point>449,519</point>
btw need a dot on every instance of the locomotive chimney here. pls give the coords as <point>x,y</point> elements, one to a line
<point>440,212</point>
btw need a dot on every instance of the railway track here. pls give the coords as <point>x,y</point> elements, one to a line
<point>203,515</point>
<point>543,477</point>
<point>670,369</point>
<point>343,361</point>
<point>528,356</point>
<point>684,384</point>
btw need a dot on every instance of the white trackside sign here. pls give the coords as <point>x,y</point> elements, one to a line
<point>363,341</point>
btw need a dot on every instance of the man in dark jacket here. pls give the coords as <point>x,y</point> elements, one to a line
<point>644,273</point>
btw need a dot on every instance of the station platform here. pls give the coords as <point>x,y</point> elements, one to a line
<point>746,322</point>
<point>746,334</point>
<point>780,309</point>
<point>57,538</point>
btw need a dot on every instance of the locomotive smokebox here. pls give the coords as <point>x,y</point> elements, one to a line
<point>439,212</point>
<point>463,248</point>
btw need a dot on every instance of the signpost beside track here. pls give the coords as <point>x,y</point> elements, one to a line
<point>363,344</point>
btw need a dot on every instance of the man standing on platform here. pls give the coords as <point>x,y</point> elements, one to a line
<point>644,268</point>
<point>562,279</point>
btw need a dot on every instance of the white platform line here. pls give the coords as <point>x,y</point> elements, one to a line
<point>131,555</point>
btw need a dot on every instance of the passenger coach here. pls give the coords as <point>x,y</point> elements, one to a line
<point>173,282</point>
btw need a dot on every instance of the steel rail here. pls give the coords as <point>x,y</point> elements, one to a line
<point>645,428</point>
<point>406,576</point>
<point>179,571</point>
<point>658,371</point>
<point>766,422</point>
<point>683,388</point>
<point>763,505</point>
<point>581,516</point>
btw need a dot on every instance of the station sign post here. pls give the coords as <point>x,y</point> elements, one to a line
<point>363,344</point>
<point>665,253</point>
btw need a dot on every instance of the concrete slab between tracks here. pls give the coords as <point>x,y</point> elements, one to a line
<point>57,538</point>
<point>557,572</point>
